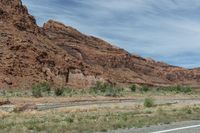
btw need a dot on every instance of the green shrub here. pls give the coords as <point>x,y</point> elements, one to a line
<point>189,111</point>
<point>106,89</point>
<point>113,92</point>
<point>71,92</point>
<point>40,88</point>
<point>59,91</point>
<point>133,88</point>
<point>101,87</point>
<point>186,89</point>
<point>144,88</point>
<point>148,102</point>
<point>68,90</point>
<point>69,120</point>
<point>45,87</point>
<point>36,91</point>
<point>176,89</point>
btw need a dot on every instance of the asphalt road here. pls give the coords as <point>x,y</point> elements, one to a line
<point>181,127</point>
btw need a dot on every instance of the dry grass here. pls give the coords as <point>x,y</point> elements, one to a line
<point>93,118</point>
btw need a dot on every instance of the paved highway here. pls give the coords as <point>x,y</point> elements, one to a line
<point>181,127</point>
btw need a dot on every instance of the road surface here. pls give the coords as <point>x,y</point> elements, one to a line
<point>180,127</point>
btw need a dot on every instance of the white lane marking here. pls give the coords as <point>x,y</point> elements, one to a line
<point>175,129</point>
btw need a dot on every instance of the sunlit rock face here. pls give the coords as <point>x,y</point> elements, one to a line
<point>62,55</point>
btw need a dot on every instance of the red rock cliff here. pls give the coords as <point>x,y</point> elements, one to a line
<point>64,56</point>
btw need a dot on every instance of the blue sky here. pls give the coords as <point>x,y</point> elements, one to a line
<point>165,30</point>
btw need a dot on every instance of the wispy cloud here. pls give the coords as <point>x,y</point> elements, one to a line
<point>166,30</point>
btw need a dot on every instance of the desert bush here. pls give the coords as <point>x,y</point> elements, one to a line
<point>40,88</point>
<point>36,91</point>
<point>71,92</point>
<point>106,89</point>
<point>189,111</point>
<point>100,87</point>
<point>68,90</point>
<point>186,110</point>
<point>176,89</point>
<point>149,102</point>
<point>144,88</point>
<point>133,88</point>
<point>185,89</point>
<point>45,87</point>
<point>69,120</point>
<point>59,91</point>
<point>114,92</point>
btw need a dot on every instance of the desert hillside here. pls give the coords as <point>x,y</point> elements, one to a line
<point>62,55</point>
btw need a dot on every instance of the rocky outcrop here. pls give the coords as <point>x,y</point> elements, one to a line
<point>77,78</point>
<point>14,13</point>
<point>62,55</point>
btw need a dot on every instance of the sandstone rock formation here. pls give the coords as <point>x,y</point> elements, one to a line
<point>64,56</point>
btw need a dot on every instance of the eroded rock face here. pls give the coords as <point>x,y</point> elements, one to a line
<point>14,13</point>
<point>64,56</point>
<point>8,81</point>
<point>78,79</point>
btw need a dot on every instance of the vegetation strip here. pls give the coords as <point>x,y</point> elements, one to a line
<point>95,120</point>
